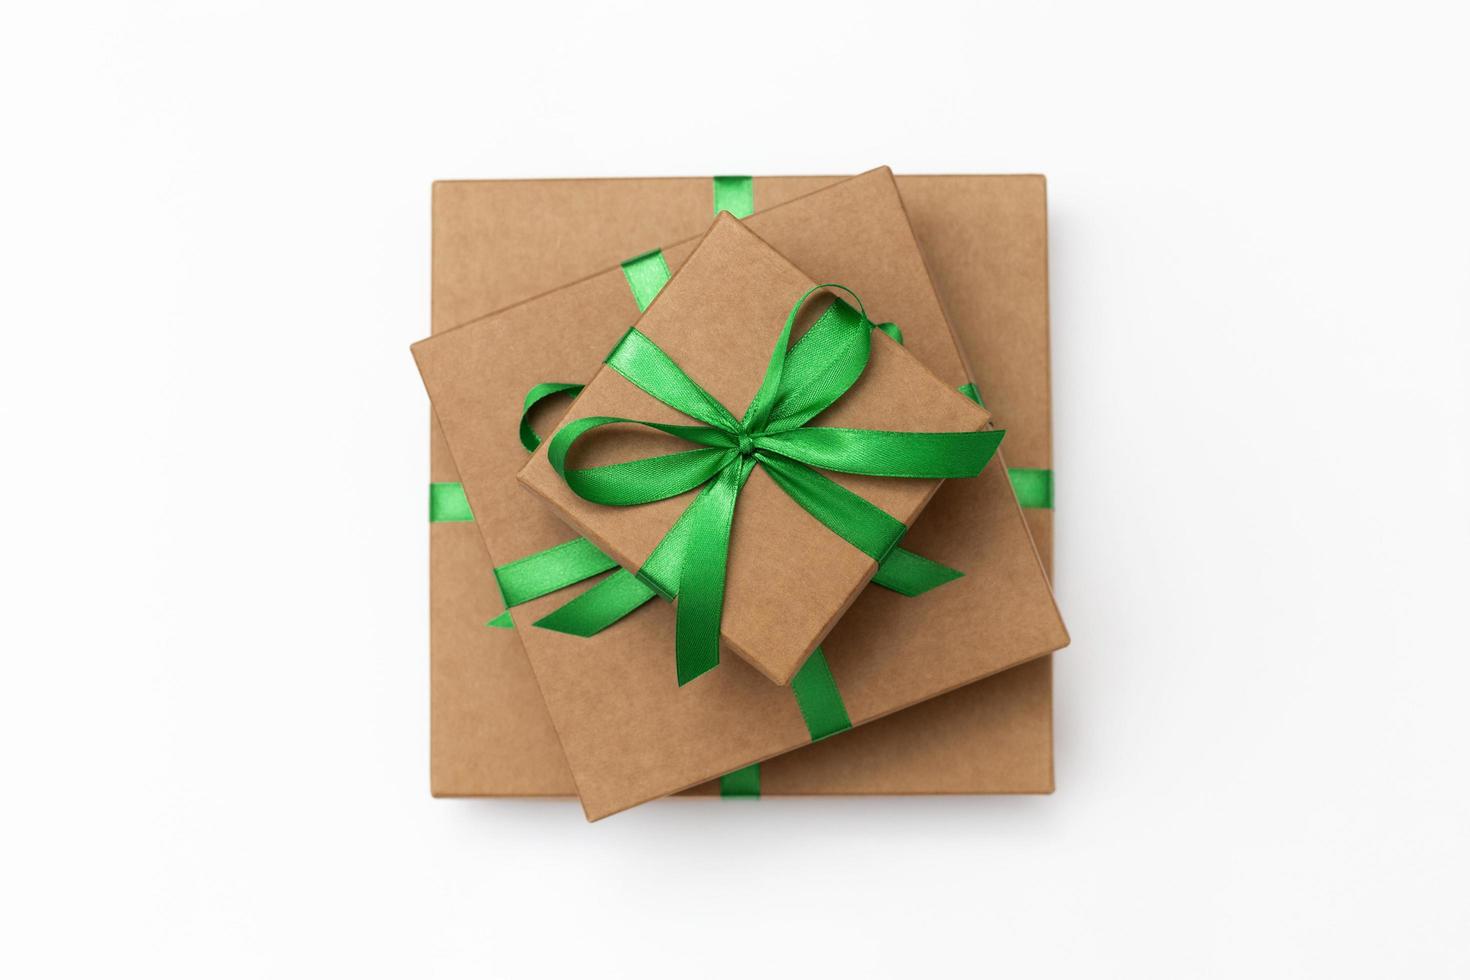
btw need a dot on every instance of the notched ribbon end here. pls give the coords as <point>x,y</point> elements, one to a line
<point>990,446</point>
<point>570,625</point>
<point>911,574</point>
<point>599,607</point>
<point>687,672</point>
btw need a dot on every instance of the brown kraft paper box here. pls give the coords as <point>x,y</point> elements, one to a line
<point>499,242</point>
<point>789,578</point>
<point>654,740</point>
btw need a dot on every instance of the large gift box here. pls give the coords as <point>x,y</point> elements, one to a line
<point>500,242</point>
<point>894,651</point>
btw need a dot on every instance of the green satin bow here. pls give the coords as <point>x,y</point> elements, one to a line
<point>800,382</point>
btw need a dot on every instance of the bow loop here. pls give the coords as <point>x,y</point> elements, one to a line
<point>640,481</point>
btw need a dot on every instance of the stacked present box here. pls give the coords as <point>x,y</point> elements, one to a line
<point>740,507</point>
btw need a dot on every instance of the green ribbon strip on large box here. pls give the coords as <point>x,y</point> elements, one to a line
<point>448,504</point>
<point>1033,488</point>
<point>736,195</point>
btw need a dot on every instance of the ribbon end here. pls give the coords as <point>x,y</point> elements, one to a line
<point>569,625</point>
<point>911,574</point>
<point>689,668</point>
<point>599,607</point>
<point>989,444</point>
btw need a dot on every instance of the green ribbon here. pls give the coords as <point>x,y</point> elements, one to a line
<point>646,275</point>
<point>744,782</point>
<point>817,697</point>
<point>1033,487</point>
<point>536,396</point>
<point>801,381</point>
<point>448,504</point>
<point>736,195</point>
<point>551,571</point>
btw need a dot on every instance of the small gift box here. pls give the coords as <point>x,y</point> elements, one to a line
<point>629,733</point>
<point>767,477</point>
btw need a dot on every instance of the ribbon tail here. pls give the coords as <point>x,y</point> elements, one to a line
<point>701,597</point>
<point>599,607</point>
<point>550,571</point>
<point>565,565</point>
<point>911,574</point>
<point>622,592</point>
<point>860,523</point>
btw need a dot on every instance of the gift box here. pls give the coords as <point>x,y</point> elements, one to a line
<point>498,242</point>
<point>791,554</point>
<point>475,378</point>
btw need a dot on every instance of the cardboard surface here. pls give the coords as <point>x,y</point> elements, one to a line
<point>500,242</point>
<point>789,577</point>
<point>658,738</point>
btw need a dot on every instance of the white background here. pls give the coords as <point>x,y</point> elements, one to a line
<point>213,717</point>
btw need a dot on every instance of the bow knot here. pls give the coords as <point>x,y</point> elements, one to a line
<point>745,444</point>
